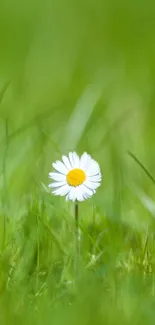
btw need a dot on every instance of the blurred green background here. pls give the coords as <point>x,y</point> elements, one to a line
<point>77,75</point>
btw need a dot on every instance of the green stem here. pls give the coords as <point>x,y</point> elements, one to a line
<point>77,242</point>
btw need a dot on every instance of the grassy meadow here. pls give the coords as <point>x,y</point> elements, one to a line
<point>77,76</point>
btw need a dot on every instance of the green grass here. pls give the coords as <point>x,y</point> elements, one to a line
<point>77,75</point>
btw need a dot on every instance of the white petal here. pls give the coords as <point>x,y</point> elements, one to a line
<point>67,196</point>
<point>58,165</point>
<point>79,193</point>
<point>85,161</point>
<point>73,194</point>
<point>80,197</point>
<point>86,196</point>
<point>62,190</point>
<point>67,162</point>
<point>76,160</point>
<point>94,178</point>
<point>57,184</point>
<point>85,191</point>
<point>90,194</point>
<point>93,168</point>
<point>92,185</point>
<point>71,159</point>
<point>57,177</point>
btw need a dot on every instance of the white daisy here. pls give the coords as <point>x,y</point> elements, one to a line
<point>77,178</point>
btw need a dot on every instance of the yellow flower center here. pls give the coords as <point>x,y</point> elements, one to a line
<point>76,177</point>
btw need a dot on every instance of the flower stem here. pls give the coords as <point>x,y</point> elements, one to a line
<point>76,215</point>
<point>77,242</point>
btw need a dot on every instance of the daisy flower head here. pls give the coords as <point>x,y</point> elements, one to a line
<point>75,177</point>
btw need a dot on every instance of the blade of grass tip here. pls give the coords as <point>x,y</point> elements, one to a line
<point>43,116</point>
<point>142,166</point>
<point>94,261</point>
<point>49,139</point>
<point>54,237</point>
<point>3,91</point>
<point>146,201</point>
<point>118,123</point>
<point>93,242</point>
<point>145,245</point>
<point>153,181</point>
<point>84,108</point>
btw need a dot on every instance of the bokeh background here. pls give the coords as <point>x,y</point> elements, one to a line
<point>77,75</point>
